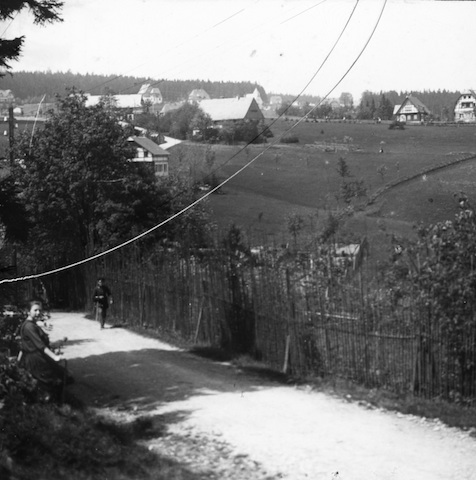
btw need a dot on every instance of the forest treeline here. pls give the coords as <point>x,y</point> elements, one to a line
<point>441,103</point>
<point>29,87</point>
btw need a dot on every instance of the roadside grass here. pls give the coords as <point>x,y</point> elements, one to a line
<point>44,441</point>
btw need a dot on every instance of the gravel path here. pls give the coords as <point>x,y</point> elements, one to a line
<point>228,425</point>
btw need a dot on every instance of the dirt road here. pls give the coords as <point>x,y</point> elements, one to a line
<point>225,422</point>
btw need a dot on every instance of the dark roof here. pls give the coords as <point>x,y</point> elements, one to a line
<point>421,107</point>
<point>149,145</point>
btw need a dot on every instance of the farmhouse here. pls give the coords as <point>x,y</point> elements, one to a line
<point>149,152</point>
<point>465,108</point>
<point>150,94</point>
<point>148,98</point>
<point>198,95</point>
<point>411,110</point>
<point>259,95</point>
<point>232,109</point>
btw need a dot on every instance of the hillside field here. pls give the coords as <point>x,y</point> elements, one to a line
<point>303,178</point>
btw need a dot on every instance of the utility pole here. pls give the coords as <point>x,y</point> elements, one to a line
<point>11,133</point>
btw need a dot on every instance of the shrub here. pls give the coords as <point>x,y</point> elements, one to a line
<point>396,125</point>
<point>290,139</point>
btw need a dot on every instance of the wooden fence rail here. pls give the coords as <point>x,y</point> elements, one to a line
<point>326,326</point>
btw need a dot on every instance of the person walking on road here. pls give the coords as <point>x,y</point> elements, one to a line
<point>102,298</point>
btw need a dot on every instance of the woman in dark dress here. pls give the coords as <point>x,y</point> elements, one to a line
<point>37,356</point>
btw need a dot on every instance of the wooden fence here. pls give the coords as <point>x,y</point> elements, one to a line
<point>293,316</point>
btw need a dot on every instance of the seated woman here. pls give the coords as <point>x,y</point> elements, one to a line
<point>37,356</point>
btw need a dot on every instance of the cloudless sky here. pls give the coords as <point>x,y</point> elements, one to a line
<point>280,44</point>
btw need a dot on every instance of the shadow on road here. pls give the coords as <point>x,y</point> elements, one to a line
<point>149,378</point>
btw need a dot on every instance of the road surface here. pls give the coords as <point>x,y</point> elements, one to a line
<point>236,425</point>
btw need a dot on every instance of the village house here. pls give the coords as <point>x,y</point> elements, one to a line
<point>465,108</point>
<point>170,107</point>
<point>198,95</point>
<point>149,152</point>
<point>6,98</point>
<point>150,94</point>
<point>411,110</point>
<point>276,101</point>
<point>259,95</point>
<point>232,109</point>
<point>148,98</point>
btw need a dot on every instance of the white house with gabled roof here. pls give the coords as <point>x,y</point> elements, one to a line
<point>150,153</point>
<point>232,109</point>
<point>197,95</point>
<point>465,108</point>
<point>411,110</point>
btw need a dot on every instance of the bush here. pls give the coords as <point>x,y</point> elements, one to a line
<point>396,125</point>
<point>290,139</point>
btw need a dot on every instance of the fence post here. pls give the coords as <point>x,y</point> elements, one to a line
<point>199,319</point>
<point>286,354</point>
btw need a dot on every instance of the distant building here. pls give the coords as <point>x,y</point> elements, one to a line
<point>232,109</point>
<point>149,152</point>
<point>334,103</point>
<point>411,110</point>
<point>259,95</point>
<point>148,98</point>
<point>465,108</point>
<point>6,97</point>
<point>150,94</point>
<point>130,105</point>
<point>198,95</point>
<point>275,101</point>
<point>170,107</point>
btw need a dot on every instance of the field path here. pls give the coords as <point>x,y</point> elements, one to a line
<point>232,425</point>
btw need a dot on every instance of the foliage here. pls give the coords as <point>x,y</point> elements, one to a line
<point>79,188</point>
<point>438,272</point>
<point>396,125</point>
<point>248,131</point>
<point>295,224</point>
<point>9,328</point>
<point>290,138</point>
<point>367,108</point>
<point>385,108</point>
<point>180,120</point>
<point>41,439</point>
<point>31,86</point>
<point>12,211</point>
<point>44,11</point>
<point>349,188</point>
<point>288,109</point>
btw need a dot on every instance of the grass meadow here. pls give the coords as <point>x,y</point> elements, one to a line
<point>303,178</point>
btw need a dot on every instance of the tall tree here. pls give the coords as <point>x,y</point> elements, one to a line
<point>80,190</point>
<point>44,11</point>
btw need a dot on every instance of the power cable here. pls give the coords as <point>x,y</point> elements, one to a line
<point>207,53</point>
<point>210,192</point>
<point>283,113</point>
<point>220,22</point>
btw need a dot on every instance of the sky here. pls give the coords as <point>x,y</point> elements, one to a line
<point>286,46</point>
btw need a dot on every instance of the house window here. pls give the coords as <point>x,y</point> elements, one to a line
<point>161,169</point>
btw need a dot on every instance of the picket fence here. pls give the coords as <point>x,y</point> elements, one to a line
<point>291,316</point>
